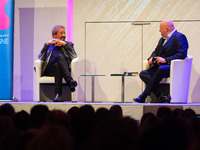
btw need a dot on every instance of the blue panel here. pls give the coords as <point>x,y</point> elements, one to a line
<point>6,49</point>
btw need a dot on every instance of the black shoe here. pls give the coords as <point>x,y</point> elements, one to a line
<point>164,98</point>
<point>140,99</point>
<point>72,89</point>
<point>58,98</point>
<point>72,84</point>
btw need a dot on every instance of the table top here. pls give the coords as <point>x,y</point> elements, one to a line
<point>110,75</point>
<point>92,75</point>
<point>122,75</point>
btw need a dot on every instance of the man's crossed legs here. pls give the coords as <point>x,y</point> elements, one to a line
<point>152,78</point>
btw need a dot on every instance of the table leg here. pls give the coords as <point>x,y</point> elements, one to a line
<point>122,88</point>
<point>92,88</point>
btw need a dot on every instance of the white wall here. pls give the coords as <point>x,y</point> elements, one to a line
<point>184,13</point>
<point>90,19</point>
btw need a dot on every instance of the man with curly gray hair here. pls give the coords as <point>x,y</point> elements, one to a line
<point>57,55</point>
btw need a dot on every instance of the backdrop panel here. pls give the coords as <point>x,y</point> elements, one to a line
<point>112,48</point>
<point>6,49</point>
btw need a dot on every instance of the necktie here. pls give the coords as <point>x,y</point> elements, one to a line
<point>165,40</point>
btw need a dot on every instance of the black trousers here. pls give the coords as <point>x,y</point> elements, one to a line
<point>152,78</point>
<point>59,68</point>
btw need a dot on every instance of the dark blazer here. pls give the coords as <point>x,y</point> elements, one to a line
<point>175,48</point>
<point>46,52</point>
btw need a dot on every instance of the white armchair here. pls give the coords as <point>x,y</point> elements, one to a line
<point>179,79</point>
<point>46,79</point>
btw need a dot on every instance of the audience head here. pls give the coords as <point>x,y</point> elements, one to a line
<point>101,114</point>
<point>73,113</point>
<point>6,127</point>
<point>116,111</point>
<point>6,110</point>
<point>149,123</point>
<point>37,115</point>
<point>190,117</point>
<point>51,137</point>
<point>21,120</point>
<point>146,116</point>
<point>83,125</point>
<point>12,138</point>
<point>169,134</point>
<point>117,134</point>
<point>176,112</point>
<point>164,112</point>
<point>73,110</point>
<point>86,118</point>
<point>190,111</point>
<point>58,117</point>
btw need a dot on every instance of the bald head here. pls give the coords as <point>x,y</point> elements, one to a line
<point>169,24</point>
<point>166,27</point>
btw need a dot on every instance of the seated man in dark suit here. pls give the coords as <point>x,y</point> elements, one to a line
<point>57,55</point>
<point>172,45</point>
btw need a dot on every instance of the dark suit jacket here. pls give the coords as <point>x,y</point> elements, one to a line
<point>175,48</point>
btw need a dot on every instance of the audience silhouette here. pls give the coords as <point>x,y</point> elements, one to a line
<point>82,128</point>
<point>37,115</point>
<point>6,110</point>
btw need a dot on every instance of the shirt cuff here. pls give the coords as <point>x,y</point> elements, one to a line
<point>167,61</point>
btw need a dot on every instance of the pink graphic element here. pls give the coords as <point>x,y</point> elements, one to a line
<point>4,19</point>
<point>70,20</point>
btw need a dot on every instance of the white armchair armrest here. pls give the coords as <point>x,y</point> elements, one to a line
<point>179,79</point>
<point>73,66</point>
<point>38,67</point>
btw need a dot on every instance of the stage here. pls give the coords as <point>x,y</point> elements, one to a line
<point>134,110</point>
